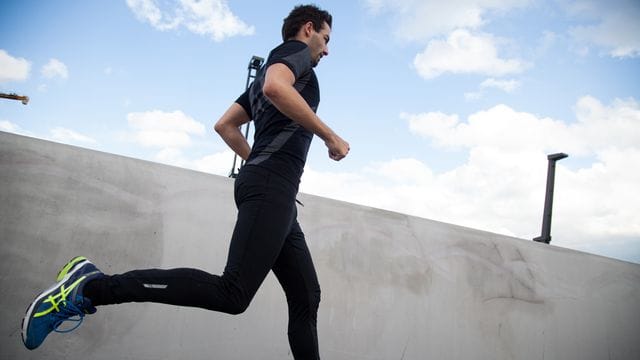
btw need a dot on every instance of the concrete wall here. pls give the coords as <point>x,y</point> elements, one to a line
<point>394,286</point>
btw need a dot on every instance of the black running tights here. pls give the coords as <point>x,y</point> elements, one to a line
<point>266,237</point>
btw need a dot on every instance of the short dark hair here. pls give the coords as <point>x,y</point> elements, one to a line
<point>301,15</point>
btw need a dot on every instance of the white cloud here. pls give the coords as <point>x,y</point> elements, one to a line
<point>598,127</point>
<point>419,20</point>
<point>71,137</point>
<point>604,197</point>
<point>57,134</point>
<point>403,170</point>
<point>430,123</point>
<point>8,126</point>
<point>13,69</point>
<point>148,11</point>
<point>217,163</point>
<point>464,52</point>
<point>504,85</point>
<point>501,185</point>
<point>55,68</point>
<point>171,134</point>
<point>213,18</point>
<point>602,127</point>
<point>508,86</point>
<point>164,129</point>
<point>617,29</point>
<point>205,17</point>
<point>477,194</point>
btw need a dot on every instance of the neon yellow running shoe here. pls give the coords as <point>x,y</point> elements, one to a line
<point>61,302</point>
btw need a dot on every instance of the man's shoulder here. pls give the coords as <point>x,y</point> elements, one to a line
<point>293,53</point>
<point>287,49</point>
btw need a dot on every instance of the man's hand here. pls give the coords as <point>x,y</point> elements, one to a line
<point>338,148</point>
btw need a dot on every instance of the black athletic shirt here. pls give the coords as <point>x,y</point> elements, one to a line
<point>280,144</point>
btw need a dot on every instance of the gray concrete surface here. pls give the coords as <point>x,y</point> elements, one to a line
<point>394,286</point>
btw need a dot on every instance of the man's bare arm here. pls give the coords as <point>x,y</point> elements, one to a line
<point>278,88</point>
<point>228,127</point>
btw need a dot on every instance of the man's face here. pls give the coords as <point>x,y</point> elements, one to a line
<point>318,44</point>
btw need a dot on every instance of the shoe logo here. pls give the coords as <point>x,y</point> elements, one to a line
<point>59,298</point>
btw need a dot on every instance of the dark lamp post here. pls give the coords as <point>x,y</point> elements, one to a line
<point>545,237</point>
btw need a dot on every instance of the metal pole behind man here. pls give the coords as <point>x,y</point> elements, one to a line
<point>254,65</point>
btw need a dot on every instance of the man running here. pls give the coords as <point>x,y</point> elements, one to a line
<point>282,101</point>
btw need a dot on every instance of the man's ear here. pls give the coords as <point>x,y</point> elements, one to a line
<point>308,28</point>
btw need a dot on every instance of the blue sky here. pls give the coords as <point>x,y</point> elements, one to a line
<point>450,107</point>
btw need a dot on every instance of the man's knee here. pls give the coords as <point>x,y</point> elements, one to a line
<point>237,299</point>
<point>237,308</point>
<point>304,303</point>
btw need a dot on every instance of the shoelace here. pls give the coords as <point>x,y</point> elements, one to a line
<point>67,311</point>
<point>67,314</point>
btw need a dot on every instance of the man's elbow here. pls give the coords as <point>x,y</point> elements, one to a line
<point>272,90</point>
<point>219,127</point>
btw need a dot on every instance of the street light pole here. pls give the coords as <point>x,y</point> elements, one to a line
<point>545,237</point>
